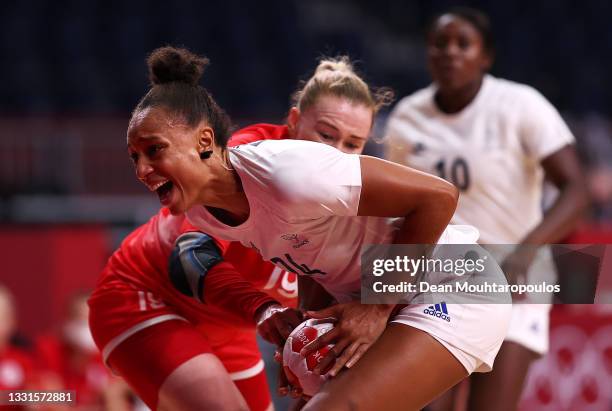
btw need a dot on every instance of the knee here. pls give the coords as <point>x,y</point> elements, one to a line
<point>200,384</point>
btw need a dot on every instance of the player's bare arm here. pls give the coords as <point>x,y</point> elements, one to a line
<point>427,204</point>
<point>390,190</point>
<point>562,169</point>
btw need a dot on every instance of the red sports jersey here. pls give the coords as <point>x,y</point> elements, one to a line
<point>265,276</point>
<point>135,299</point>
<point>257,132</point>
<point>278,283</point>
<point>141,263</point>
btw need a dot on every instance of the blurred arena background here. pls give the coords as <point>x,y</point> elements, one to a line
<point>73,70</point>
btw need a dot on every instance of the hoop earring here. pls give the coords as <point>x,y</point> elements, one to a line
<point>206,154</point>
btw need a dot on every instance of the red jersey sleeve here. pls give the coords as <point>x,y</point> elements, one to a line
<point>227,289</point>
<point>263,275</point>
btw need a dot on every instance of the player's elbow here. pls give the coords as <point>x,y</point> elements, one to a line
<point>574,189</point>
<point>194,254</point>
<point>453,193</point>
<point>583,198</point>
<point>446,194</point>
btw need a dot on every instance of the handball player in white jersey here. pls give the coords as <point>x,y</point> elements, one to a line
<point>310,207</point>
<point>496,140</point>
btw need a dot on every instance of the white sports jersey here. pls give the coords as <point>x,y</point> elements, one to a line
<point>491,150</point>
<point>303,199</point>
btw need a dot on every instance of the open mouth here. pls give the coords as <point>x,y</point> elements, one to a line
<point>164,191</point>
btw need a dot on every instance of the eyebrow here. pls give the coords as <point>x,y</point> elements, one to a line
<point>148,138</point>
<point>143,139</point>
<point>325,123</point>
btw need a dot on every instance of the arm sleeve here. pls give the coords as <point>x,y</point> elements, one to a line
<point>543,131</point>
<point>197,269</point>
<point>228,290</point>
<point>316,180</point>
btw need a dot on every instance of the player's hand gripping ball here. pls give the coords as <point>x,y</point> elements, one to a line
<point>298,369</point>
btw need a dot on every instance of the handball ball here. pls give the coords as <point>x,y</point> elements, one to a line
<point>299,369</point>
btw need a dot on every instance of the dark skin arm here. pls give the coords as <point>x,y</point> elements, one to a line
<point>562,169</point>
<point>425,201</point>
<point>427,204</point>
<point>388,190</point>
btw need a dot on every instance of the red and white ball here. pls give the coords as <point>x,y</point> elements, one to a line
<point>299,369</point>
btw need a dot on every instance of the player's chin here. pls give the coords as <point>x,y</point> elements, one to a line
<point>451,79</point>
<point>175,203</point>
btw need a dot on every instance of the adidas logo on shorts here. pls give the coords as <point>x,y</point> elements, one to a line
<point>438,310</point>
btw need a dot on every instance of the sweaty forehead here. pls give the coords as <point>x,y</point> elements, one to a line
<point>344,114</point>
<point>450,22</point>
<point>152,122</point>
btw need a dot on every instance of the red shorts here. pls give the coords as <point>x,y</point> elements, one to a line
<point>144,340</point>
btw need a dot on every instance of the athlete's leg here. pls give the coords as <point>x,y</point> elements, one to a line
<point>500,390</point>
<point>201,383</point>
<point>169,365</point>
<point>404,370</point>
<point>255,391</point>
<point>238,351</point>
<point>526,340</point>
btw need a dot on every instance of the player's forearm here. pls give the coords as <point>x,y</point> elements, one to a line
<point>425,225</point>
<point>562,217</point>
<point>390,190</point>
<point>562,169</point>
<point>228,290</point>
<point>196,269</point>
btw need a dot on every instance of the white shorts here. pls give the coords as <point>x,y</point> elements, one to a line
<point>529,325</point>
<point>473,333</point>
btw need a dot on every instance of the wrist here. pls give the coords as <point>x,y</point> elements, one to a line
<point>266,310</point>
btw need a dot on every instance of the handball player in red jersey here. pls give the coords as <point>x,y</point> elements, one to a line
<point>175,352</point>
<point>159,339</point>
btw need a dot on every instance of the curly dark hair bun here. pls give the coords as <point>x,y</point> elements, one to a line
<point>171,64</point>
